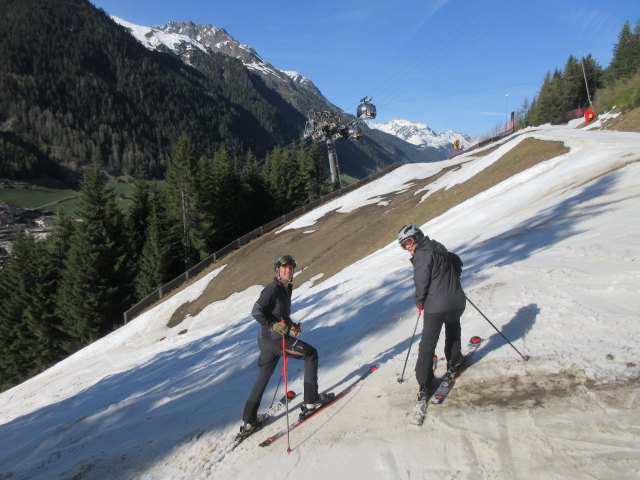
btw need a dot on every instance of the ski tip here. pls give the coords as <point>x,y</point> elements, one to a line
<point>475,340</point>
<point>373,368</point>
<point>291,394</point>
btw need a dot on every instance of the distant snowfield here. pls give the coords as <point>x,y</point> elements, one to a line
<point>551,257</point>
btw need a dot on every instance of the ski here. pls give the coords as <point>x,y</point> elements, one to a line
<point>263,418</point>
<point>420,408</point>
<point>337,397</point>
<point>450,377</point>
<point>419,412</point>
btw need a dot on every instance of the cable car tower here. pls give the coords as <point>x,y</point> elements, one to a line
<point>326,126</point>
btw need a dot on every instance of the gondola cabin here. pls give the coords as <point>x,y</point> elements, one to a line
<point>354,132</point>
<point>366,110</point>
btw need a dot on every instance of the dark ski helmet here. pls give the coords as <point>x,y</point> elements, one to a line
<point>409,235</point>
<point>283,260</point>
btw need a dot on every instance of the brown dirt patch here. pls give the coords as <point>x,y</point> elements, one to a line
<point>336,239</point>
<point>625,122</point>
<point>533,390</point>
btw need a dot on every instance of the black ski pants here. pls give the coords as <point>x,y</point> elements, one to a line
<point>270,353</point>
<point>430,333</point>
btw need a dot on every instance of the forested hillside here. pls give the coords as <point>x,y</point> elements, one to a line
<point>75,87</point>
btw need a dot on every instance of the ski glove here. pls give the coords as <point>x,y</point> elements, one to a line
<point>420,309</point>
<point>281,328</point>
<point>296,329</point>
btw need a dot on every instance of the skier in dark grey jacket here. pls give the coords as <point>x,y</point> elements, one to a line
<point>439,296</point>
<point>272,310</point>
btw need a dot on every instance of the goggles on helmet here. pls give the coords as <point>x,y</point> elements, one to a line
<point>285,260</point>
<point>408,243</point>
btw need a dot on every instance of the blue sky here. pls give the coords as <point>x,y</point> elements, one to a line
<point>451,64</point>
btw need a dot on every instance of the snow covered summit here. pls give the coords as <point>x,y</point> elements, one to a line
<point>183,38</point>
<point>422,135</point>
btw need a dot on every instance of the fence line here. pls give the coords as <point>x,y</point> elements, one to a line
<point>161,292</point>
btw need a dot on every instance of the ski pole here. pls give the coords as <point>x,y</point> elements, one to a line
<point>286,390</point>
<point>524,357</point>
<point>276,392</point>
<point>401,379</point>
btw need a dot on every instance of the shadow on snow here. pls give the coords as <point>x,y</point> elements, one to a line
<point>181,393</point>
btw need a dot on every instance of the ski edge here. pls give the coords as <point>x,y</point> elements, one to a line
<point>297,423</point>
<point>267,414</point>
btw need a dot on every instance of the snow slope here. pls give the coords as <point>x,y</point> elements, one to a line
<point>551,257</point>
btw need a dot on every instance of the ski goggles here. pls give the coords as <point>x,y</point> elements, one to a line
<point>408,243</point>
<point>285,260</point>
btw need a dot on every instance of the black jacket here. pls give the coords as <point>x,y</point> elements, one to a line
<point>273,305</point>
<point>438,287</point>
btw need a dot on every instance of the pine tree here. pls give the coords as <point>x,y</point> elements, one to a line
<point>155,261</point>
<point>257,205</point>
<point>220,196</point>
<point>317,183</point>
<point>60,241</point>
<point>626,54</point>
<point>573,91</point>
<point>42,319</point>
<point>16,282</point>
<point>595,76</point>
<point>137,218</point>
<point>298,172</point>
<point>29,337</point>
<point>521,114</point>
<point>95,285</point>
<point>271,172</point>
<point>181,196</point>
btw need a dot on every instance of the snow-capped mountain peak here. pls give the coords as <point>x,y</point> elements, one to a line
<point>184,38</point>
<point>422,135</point>
<point>156,37</point>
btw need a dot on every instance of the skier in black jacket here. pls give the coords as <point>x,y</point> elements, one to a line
<point>272,311</point>
<point>439,296</point>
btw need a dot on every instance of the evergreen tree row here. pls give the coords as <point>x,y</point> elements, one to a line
<point>64,292</point>
<point>565,90</point>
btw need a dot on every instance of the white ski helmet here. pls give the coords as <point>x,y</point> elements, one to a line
<point>409,232</point>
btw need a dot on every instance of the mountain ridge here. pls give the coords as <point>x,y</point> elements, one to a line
<point>184,37</point>
<point>421,135</point>
<point>77,87</point>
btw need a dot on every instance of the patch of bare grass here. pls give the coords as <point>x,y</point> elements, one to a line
<point>338,240</point>
<point>625,122</point>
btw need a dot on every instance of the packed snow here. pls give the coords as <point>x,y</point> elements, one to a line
<point>551,258</point>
